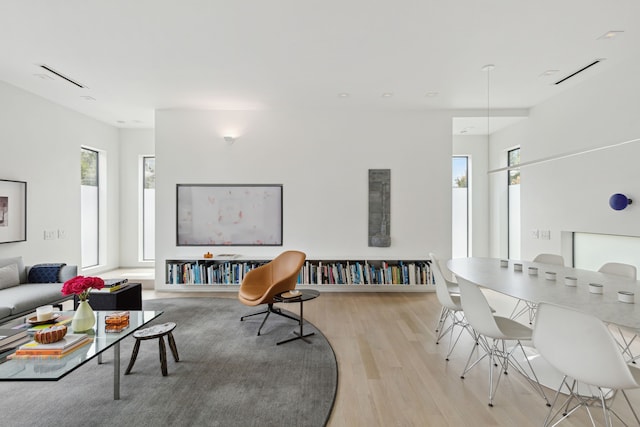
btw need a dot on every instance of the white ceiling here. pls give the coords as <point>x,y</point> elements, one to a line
<point>136,56</point>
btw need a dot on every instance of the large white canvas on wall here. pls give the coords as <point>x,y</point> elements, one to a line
<point>229,215</point>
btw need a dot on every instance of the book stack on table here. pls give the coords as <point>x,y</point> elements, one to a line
<point>112,285</point>
<point>55,350</point>
<point>11,338</point>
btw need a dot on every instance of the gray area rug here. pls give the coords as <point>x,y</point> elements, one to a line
<point>227,376</point>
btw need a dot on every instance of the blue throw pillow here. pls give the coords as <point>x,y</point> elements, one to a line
<point>45,273</point>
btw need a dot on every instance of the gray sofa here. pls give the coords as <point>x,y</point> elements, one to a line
<point>19,299</point>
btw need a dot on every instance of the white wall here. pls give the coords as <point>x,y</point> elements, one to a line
<point>476,147</point>
<point>134,143</point>
<point>322,159</point>
<point>571,194</point>
<point>40,144</point>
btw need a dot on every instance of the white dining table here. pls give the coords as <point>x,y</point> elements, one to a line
<point>488,273</point>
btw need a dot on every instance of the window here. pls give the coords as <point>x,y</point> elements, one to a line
<point>514,160</point>
<point>514,203</point>
<point>460,207</point>
<point>89,206</point>
<point>148,208</point>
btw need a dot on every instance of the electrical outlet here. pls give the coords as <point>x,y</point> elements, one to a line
<point>535,234</point>
<point>49,234</point>
<point>545,234</point>
<point>61,234</point>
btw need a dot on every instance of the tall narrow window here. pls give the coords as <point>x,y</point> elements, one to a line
<point>514,203</point>
<point>148,208</point>
<point>89,197</point>
<point>460,207</point>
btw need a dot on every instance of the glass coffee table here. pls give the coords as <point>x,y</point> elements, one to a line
<point>302,296</point>
<point>55,369</point>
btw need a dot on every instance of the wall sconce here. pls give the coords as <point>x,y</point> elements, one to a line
<point>230,139</point>
<point>619,201</point>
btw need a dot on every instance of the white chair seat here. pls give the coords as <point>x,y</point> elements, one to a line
<point>635,371</point>
<point>513,330</point>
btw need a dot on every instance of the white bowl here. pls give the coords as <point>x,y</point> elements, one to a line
<point>533,271</point>
<point>626,296</point>
<point>596,288</point>
<point>517,267</point>
<point>550,275</point>
<point>570,281</point>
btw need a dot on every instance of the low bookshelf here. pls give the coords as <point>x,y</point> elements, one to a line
<point>348,275</point>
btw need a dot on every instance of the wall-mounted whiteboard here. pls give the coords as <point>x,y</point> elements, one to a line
<point>229,215</point>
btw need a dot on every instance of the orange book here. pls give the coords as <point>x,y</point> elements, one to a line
<point>45,354</point>
<point>68,343</point>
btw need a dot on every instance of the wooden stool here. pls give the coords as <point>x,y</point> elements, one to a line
<point>156,331</point>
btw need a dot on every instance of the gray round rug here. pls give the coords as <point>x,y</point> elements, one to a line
<point>227,376</point>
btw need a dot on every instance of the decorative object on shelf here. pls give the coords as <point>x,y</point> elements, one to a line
<point>13,211</point>
<point>208,255</point>
<point>84,318</point>
<point>379,208</point>
<point>619,201</point>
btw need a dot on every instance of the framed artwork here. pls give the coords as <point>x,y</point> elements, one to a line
<point>13,211</point>
<point>228,215</point>
<point>380,208</point>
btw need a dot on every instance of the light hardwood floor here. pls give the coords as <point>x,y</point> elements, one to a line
<point>391,372</point>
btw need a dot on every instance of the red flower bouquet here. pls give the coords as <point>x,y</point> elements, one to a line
<point>81,285</point>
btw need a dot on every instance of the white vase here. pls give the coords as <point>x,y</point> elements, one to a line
<point>84,318</point>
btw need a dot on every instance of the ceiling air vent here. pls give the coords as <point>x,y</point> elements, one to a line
<point>62,76</point>
<point>578,72</point>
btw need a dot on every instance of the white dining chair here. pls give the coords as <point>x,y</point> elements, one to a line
<point>629,271</point>
<point>528,307</point>
<point>492,333</point>
<point>451,286</point>
<point>581,347</point>
<point>451,314</point>
<point>619,269</point>
<point>552,259</point>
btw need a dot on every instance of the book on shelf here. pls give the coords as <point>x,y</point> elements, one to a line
<point>9,336</point>
<point>61,348</point>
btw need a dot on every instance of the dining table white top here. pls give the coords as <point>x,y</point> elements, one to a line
<point>488,273</point>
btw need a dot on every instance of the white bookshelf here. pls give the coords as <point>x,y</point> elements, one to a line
<point>332,275</point>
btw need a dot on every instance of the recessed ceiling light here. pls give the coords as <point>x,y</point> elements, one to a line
<point>431,94</point>
<point>610,35</point>
<point>343,95</point>
<point>136,121</point>
<point>387,95</point>
<point>121,122</point>
<point>87,98</point>
<point>549,73</point>
<point>488,67</point>
<point>43,76</point>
